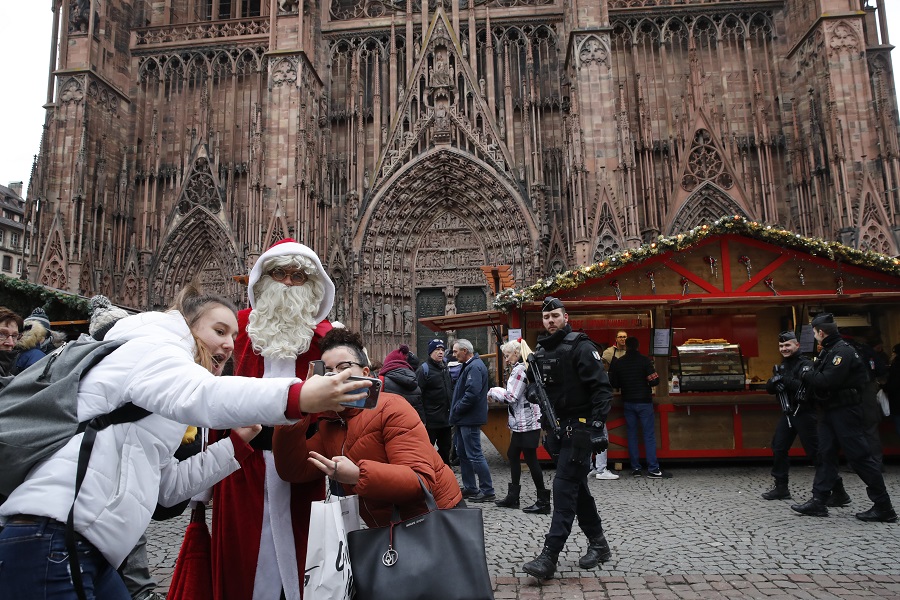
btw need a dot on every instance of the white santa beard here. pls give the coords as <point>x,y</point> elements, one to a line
<point>281,324</point>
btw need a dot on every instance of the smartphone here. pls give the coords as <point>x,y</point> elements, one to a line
<point>371,399</point>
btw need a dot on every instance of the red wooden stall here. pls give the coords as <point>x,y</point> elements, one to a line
<point>735,281</point>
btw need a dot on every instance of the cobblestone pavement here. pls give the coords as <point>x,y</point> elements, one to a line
<point>704,533</point>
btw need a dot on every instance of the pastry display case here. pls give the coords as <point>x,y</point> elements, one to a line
<point>710,365</point>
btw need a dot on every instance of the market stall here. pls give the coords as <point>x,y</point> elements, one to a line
<point>708,306</point>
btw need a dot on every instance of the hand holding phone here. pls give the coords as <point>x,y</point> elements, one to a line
<point>371,398</point>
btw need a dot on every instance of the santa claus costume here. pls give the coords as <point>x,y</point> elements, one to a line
<point>260,522</point>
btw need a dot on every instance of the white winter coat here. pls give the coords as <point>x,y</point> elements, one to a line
<point>132,465</point>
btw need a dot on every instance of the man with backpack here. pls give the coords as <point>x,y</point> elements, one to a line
<point>437,391</point>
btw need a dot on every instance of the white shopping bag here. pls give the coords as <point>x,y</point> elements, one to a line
<point>328,575</point>
<point>883,403</point>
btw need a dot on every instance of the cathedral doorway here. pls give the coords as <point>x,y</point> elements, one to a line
<point>421,242</point>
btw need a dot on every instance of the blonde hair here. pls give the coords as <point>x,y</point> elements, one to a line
<point>512,347</point>
<point>192,302</point>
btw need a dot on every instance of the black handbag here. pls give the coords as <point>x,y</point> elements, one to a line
<point>438,555</point>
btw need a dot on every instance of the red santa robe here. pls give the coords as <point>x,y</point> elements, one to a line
<point>260,522</point>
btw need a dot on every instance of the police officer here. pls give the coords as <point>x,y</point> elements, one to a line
<point>838,378</point>
<point>577,385</point>
<point>798,419</point>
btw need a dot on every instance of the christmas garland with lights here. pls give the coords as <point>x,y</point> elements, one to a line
<point>511,298</point>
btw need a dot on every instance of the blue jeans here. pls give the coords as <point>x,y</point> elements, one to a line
<point>34,563</point>
<point>639,413</point>
<point>471,459</point>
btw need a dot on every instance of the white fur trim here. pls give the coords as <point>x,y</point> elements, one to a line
<point>287,249</point>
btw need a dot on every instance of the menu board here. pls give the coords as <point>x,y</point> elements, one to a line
<point>662,342</point>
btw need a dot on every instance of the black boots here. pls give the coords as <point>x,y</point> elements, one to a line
<point>813,507</point>
<point>598,551</point>
<point>544,566</point>
<point>542,506</point>
<point>880,513</point>
<point>839,496</point>
<point>779,492</point>
<point>512,497</point>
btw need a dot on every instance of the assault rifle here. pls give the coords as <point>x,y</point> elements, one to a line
<point>536,394</point>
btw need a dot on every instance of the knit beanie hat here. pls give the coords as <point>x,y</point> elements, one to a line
<point>103,316</point>
<point>435,344</point>
<point>38,315</point>
<point>395,360</point>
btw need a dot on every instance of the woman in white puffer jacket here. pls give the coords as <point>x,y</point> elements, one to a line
<point>167,365</point>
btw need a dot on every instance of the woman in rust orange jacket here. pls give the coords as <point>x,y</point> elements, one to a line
<point>376,453</point>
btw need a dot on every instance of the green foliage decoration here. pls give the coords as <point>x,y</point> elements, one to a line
<point>24,296</point>
<point>510,298</point>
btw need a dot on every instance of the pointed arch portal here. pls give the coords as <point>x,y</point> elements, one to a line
<point>429,229</point>
<point>704,206</point>
<point>199,247</point>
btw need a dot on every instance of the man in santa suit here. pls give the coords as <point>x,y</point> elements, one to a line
<point>260,522</point>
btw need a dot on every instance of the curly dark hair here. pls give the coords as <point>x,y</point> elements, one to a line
<point>344,338</point>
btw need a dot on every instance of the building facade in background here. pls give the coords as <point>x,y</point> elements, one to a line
<point>410,142</point>
<point>13,249</point>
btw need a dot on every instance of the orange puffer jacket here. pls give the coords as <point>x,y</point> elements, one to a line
<point>390,446</point>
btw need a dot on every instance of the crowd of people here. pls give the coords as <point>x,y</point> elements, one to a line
<point>279,435</point>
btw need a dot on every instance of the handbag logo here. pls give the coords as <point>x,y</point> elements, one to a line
<point>389,558</point>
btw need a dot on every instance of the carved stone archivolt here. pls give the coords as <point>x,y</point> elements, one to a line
<point>705,206</point>
<point>434,224</point>
<point>199,246</point>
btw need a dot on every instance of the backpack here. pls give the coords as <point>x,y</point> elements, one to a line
<point>39,409</point>
<point>39,415</point>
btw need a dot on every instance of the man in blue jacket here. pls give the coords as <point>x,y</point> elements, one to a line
<point>468,412</point>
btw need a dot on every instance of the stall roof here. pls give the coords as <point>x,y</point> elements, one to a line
<point>484,318</point>
<point>733,261</point>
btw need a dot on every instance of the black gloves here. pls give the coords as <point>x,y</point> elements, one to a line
<point>599,439</point>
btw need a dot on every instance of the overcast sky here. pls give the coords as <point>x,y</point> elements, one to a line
<point>25,28</point>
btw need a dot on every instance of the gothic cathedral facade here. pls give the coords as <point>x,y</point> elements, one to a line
<point>410,142</point>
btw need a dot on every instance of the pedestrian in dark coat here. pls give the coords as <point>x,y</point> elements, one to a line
<point>401,380</point>
<point>437,391</point>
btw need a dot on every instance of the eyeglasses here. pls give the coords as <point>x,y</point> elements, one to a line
<point>297,277</point>
<point>343,366</point>
<point>6,336</point>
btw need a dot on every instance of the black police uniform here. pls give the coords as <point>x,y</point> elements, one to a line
<point>579,389</point>
<point>838,378</point>
<point>803,423</point>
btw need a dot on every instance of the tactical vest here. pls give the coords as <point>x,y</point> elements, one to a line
<point>561,380</point>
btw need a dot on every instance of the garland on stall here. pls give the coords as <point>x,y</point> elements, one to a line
<point>511,298</point>
<point>24,296</point>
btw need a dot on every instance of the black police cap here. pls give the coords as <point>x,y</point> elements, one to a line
<point>822,319</point>
<point>551,303</point>
<point>786,336</point>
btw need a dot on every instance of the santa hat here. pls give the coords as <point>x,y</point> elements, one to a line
<point>103,316</point>
<point>290,247</point>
